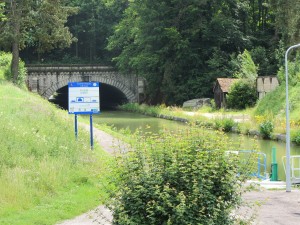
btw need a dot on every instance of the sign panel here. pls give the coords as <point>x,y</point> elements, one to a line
<point>84,97</point>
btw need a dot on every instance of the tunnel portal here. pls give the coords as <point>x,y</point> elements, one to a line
<point>110,97</point>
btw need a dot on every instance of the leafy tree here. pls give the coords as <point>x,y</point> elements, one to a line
<point>294,72</point>
<point>2,17</point>
<point>34,23</point>
<point>247,70</point>
<point>175,47</point>
<point>287,20</point>
<point>91,27</point>
<point>242,93</point>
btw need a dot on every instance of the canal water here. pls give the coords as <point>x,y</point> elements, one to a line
<point>133,121</point>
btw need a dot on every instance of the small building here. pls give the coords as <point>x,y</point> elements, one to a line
<point>221,89</point>
<point>266,84</point>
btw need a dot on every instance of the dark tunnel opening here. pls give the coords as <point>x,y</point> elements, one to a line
<point>110,97</point>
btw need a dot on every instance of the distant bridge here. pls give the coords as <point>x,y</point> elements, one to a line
<point>47,79</point>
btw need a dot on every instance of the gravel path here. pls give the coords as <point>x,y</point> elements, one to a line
<point>272,207</point>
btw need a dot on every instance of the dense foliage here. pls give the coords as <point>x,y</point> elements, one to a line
<point>241,95</point>
<point>40,24</point>
<point>182,178</point>
<point>5,67</point>
<point>179,46</point>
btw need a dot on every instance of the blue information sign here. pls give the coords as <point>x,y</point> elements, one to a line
<point>84,97</point>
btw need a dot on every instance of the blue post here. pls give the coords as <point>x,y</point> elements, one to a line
<point>76,127</point>
<point>91,131</point>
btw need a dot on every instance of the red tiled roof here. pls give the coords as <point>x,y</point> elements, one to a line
<point>225,83</point>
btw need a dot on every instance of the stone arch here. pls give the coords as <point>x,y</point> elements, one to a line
<point>131,97</point>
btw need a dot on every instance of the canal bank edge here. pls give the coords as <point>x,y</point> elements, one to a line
<point>234,129</point>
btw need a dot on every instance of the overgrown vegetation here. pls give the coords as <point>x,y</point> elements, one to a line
<point>241,95</point>
<point>45,175</point>
<point>266,128</point>
<point>178,178</point>
<point>5,69</point>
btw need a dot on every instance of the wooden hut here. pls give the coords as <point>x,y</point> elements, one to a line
<point>221,89</point>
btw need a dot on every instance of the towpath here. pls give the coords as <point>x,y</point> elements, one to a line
<point>273,207</point>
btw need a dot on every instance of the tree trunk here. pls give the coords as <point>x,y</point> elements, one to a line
<point>15,43</point>
<point>15,61</point>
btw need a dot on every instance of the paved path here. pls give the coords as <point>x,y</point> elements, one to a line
<point>271,207</point>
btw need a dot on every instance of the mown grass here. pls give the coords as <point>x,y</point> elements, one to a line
<point>45,175</point>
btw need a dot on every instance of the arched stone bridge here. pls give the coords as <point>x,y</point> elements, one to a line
<point>47,79</point>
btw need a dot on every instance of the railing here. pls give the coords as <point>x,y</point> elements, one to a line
<point>254,162</point>
<point>295,168</point>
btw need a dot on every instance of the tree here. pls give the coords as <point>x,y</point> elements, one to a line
<point>34,23</point>
<point>243,93</point>
<point>91,26</point>
<point>2,17</point>
<point>247,70</point>
<point>287,20</point>
<point>173,44</point>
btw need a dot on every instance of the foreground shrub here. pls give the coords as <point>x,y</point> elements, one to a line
<point>178,179</point>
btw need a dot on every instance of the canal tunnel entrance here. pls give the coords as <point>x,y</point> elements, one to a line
<point>110,97</point>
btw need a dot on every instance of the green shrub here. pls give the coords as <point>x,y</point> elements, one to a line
<point>5,59</point>
<point>296,137</point>
<point>241,95</point>
<point>218,124</point>
<point>225,124</point>
<point>266,128</point>
<point>178,179</point>
<point>228,124</point>
<point>5,66</point>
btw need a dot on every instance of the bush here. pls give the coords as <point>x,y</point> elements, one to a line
<point>225,124</point>
<point>5,65</point>
<point>228,124</point>
<point>5,59</point>
<point>296,137</point>
<point>241,95</point>
<point>177,179</point>
<point>266,128</point>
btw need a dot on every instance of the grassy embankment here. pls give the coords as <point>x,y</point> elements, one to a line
<point>45,175</point>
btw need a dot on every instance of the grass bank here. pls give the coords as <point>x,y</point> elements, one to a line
<point>45,175</point>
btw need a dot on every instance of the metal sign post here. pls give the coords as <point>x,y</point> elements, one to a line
<point>91,131</point>
<point>76,127</point>
<point>288,141</point>
<point>84,98</point>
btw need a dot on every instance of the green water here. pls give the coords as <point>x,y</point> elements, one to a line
<point>132,121</point>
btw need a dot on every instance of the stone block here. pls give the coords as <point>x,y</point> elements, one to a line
<point>196,103</point>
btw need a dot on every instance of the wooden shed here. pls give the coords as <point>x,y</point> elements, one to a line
<point>221,89</point>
